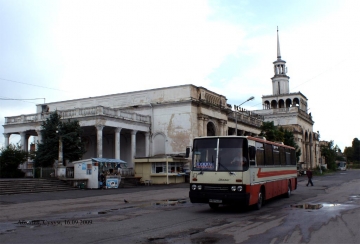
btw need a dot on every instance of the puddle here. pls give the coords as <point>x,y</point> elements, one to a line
<point>170,202</point>
<point>316,205</point>
<point>307,206</point>
<point>331,204</point>
<point>355,196</point>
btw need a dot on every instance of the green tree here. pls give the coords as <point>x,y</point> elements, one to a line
<point>329,151</point>
<point>349,151</point>
<point>356,148</point>
<point>271,132</point>
<point>52,130</point>
<point>353,153</point>
<point>10,159</point>
<point>289,140</point>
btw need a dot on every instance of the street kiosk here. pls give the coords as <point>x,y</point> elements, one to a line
<point>91,170</point>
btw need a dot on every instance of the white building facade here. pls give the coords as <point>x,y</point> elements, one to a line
<point>147,123</point>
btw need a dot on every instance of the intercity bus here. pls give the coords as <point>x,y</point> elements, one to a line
<point>240,170</point>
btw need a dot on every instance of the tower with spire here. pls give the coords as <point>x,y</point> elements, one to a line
<point>290,111</point>
<point>280,81</point>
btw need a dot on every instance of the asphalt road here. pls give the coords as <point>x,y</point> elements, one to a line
<point>163,214</point>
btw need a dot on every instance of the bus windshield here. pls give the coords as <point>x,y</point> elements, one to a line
<point>220,154</point>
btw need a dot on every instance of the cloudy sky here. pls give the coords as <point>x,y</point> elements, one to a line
<point>59,50</point>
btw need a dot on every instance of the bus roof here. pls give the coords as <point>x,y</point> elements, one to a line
<point>249,138</point>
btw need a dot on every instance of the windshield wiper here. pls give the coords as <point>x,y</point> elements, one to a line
<point>230,172</point>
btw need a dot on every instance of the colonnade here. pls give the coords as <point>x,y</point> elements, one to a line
<point>99,141</point>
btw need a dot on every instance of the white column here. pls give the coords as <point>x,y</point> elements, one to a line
<point>147,143</point>
<point>99,141</point>
<point>117,142</point>
<point>204,133</point>
<point>23,140</point>
<point>133,145</point>
<point>308,154</point>
<point>7,139</point>
<point>222,128</point>
<point>39,139</point>
<point>27,142</point>
<point>311,155</point>
<point>200,126</point>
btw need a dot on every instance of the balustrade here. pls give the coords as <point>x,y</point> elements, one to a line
<point>78,113</point>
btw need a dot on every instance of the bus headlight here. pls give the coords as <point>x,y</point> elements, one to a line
<point>199,187</point>
<point>193,187</point>
<point>239,188</point>
<point>233,188</point>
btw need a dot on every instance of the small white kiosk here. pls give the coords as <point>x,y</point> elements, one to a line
<point>91,170</point>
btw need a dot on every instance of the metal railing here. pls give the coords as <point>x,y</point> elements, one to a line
<point>69,172</point>
<point>39,172</point>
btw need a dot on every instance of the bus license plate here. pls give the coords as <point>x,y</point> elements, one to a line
<point>215,201</point>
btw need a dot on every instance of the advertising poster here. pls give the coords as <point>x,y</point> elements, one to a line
<point>112,183</point>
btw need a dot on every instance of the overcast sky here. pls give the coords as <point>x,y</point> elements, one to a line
<point>61,50</point>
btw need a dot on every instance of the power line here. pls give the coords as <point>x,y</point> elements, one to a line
<point>319,74</point>
<point>21,99</point>
<point>32,85</point>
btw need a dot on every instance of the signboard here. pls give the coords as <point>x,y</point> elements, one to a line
<point>205,165</point>
<point>112,183</point>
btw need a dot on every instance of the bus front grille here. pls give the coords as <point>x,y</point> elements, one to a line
<point>216,188</point>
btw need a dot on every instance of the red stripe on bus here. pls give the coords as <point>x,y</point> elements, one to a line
<point>275,173</point>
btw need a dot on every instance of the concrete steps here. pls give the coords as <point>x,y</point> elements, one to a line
<point>17,186</point>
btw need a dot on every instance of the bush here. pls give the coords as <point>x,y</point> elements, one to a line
<point>10,159</point>
<point>355,166</point>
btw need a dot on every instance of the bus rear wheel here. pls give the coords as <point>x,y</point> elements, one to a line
<point>214,206</point>
<point>288,193</point>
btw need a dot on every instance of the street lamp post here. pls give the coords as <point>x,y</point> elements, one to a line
<point>249,99</point>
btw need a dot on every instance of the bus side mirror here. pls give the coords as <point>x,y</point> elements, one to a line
<point>187,152</point>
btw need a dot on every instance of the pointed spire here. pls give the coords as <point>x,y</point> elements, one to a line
<point>278,44</point>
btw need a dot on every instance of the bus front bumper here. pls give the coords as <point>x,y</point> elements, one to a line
<point>220,197</point>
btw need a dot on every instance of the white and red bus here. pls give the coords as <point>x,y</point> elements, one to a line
<point>240,170</point>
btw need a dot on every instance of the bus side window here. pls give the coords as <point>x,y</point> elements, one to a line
<point>282,156</point>
<point>269,154</point>
<point>252,152</point>
<point>260,153</point>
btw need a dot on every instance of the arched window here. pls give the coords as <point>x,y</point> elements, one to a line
<point>288,103</point>
<point>159,144</point>
<point>296,102</point>
<point>211,131</point>
<point>273,104</point>
<point>266,105</point>
<point>281,103</point>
